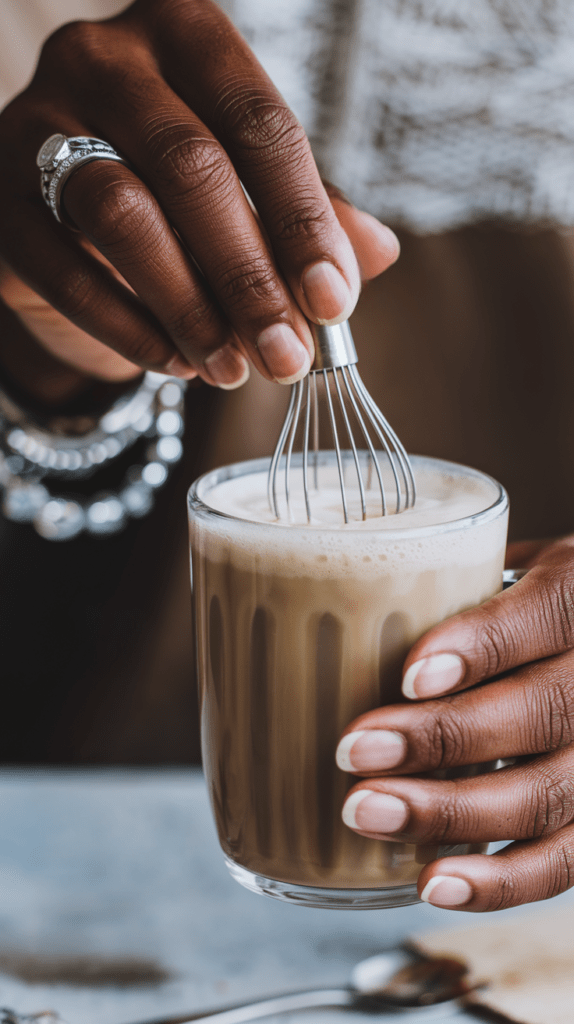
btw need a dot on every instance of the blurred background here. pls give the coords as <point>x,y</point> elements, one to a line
<point>453,124</point>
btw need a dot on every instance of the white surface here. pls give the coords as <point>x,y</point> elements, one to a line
<point>128,863</point>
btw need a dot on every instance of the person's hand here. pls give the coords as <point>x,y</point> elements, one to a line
<point>508,669</point>
<point>172,270</point>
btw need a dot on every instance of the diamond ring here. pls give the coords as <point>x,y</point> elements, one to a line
<point>59,156</point>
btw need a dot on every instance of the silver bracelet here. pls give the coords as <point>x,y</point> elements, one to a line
<point>77,447</point>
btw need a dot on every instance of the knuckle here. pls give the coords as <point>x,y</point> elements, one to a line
<point>119,211</point>
<point>147,350</point>
<point>539,874</point>
<point>557,612</point>
<point>189,165</point>
<point>87,53</point>
<point>448,740</point>
<point>498,646</point>
<point>453,817</point>
<point>241,285</point>
<point>197,318</point>
<point>505,893</point>
<point>559,875</point>
<point>551,805</point>
<point>258,123</point>
<point>308,223</point>
<point>78,45</point>
<point>552,710</point>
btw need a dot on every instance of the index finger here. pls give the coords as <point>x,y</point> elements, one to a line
<point>267,145</point>
<point>530,712</point>
<point>533,619</point>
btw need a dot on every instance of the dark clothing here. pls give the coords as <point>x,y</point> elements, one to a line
<point>83,622</point>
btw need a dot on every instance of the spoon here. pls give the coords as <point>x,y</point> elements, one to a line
<point>398,980</point>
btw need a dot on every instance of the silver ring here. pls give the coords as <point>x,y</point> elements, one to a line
<point>59,156</point>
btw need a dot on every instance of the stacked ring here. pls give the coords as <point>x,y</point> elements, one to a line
<point>59,156</point>
<point>29,452</point>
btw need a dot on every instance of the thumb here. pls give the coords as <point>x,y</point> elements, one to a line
<point>376,247</point>
<point>531,620</point>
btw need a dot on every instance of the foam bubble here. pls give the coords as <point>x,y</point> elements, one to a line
<point>439,529</point>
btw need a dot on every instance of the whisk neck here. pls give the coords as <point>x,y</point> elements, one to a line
<point>355,420</point>
<point>334,346</point>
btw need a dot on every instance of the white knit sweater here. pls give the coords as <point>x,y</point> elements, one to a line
<point>429,113</point>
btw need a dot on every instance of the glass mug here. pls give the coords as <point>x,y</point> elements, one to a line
<point>299,629</point>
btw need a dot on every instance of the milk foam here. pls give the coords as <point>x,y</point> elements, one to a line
<point>442,497</point>
<point>436,531</point>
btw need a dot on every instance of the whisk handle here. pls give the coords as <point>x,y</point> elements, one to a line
<point>334,346</point>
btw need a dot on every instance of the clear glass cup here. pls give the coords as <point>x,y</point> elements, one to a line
<point>298,631</point>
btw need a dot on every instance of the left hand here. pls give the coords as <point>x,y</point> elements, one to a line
<point>67,342</point>
<point>516,653</point>
<point>172,269</point>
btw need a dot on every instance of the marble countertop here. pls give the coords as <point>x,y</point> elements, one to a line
<point>108,863</point>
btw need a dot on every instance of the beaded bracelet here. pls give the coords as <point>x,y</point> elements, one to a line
<point>33,458</point>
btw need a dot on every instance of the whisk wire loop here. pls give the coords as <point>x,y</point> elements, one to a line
<point>352,442</point>
<point>373,457</point>
<point>363,395</point>
<point>306,451</point>
<point>295,421</point>
<point>400,451</point>
<point>335,367</point>
<point>272,478</point>
<point>337,445</point>
<point>315,430</point>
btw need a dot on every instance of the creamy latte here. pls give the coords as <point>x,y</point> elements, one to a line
<point>302,627</point>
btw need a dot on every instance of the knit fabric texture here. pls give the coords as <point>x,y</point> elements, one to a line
<point>431,113</point>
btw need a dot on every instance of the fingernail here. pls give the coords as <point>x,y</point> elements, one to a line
<point>370,750</point>
<point>447,891</point>
<point>227,367</point>
<point>375,812</point>
<point>327,293</point>
<point>283,353</point>
<point>433,676</point>
<point>177,367</point>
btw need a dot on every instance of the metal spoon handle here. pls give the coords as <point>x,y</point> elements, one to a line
<point>266,1007</point>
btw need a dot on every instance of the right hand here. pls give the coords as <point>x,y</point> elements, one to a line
<point>172,270</point>
<point>493,682</point>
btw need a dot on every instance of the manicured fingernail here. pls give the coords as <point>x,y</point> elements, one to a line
<point>177,367</point>
<point>327,293</point>
<point>370,750</point>
<point>283,353</point>
<point>227,367</point>
<point>433,676</point>
<point>447,891</point>
<point>375,812</point>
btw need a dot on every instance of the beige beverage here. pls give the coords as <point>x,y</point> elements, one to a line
<point>300,628</point>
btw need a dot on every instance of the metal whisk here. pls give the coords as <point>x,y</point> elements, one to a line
<point>334,373</point>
